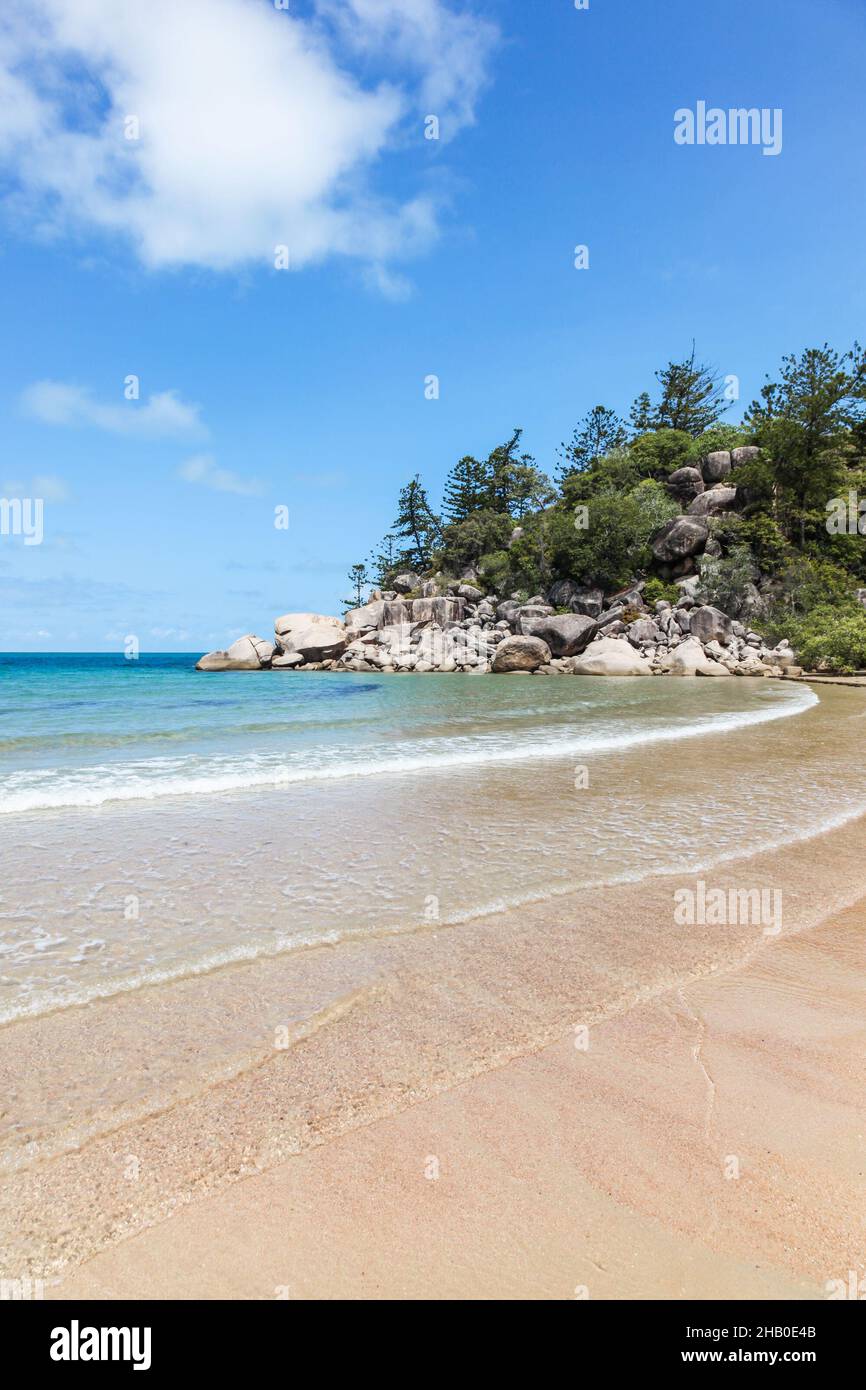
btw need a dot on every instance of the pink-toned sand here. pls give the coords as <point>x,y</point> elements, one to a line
<point>710,1143</point>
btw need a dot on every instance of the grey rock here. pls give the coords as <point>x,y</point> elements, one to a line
<point>407,581</point>
<point>710,624</point>
<point>520,654</point>
<point>713,501</point>
<point>644,630</point>
<point>747,453</point>
<point>679,539</point>
<point>608,657</point>
<point>685,484</point>
<point>567,634</point>
<point>716,466</point>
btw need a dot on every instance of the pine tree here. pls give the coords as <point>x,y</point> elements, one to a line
<point>465,490</point>
<point>642,416</point>
<point>416,523</point>
<point>692,399</point>
<point>385,561</point>
<point>805,421</point>
<point>498,471</point>
<point>359,579</point>
<point>599,433</point>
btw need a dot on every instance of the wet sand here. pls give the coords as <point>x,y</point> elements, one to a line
<point>273,1123</point>
<point>710,1144</point>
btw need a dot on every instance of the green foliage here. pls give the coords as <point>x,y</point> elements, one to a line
<point>810,426</point>
<point>716,438</point>
<point>756,486</point>
<point>599,433</point>
<point>466,489</point>
<point>766,542</point>
<point>464,542</point>
<point>660,454</point>
<point>656,589</point>
<point>808,582</point>
<point>416,523</point>
<point>728,582</point>
<point>616,543</point>
<point>359,579</point>
<point>495,569</point>
<point>803,422</point>
<point>618,472</point>
<point>385,561</point>
<point>692,398</point>
<point>830,639</point>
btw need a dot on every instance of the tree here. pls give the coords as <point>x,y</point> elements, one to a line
<point>466,489</point>
<point>641,416</point>
<point>464,542</point>
<point>807,420</point>
<point>359,579</point>
<point>692,397</point>
<point>600,432</point>
<point>531,490</point>
<point>500,463</point>
<point>417,523</point>
<point>386,560</point>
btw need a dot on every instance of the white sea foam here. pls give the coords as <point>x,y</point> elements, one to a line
<point>59,789</point>
<point>678,867</point>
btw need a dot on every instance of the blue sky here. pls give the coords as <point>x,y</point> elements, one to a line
<point>305,387</point>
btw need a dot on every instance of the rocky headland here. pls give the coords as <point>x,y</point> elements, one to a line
<point>427,624</point>
<point>568,631</point>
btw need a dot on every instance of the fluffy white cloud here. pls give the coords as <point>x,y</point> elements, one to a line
<point>253,131</point>
<point>163,415</point>
<point>202,468</point>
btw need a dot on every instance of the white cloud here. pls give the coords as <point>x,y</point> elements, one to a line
<point>253,130</point>
<point>162,415</point>
<point>202,468</point>
<point>447,50</point>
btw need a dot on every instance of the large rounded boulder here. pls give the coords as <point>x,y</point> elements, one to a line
<point>685,484</point>
<point>710,624</point>
<point>680,539</point>
<point>567,634</point>
<point>714,501</point>
<point>317,638</point>
<point>249,653</point>
<point>520,654</point>
<point>608,657</point>
<point>690,659</point>
<point>715,466</point>
<point>367,617</point>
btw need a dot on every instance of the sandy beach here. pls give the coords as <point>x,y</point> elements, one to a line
<point>581,1097</point>
<point>605,1173</point>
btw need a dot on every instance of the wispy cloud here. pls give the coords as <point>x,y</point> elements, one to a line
<point>203,469</point>
<point>210,132</point>
<point>162,415</point>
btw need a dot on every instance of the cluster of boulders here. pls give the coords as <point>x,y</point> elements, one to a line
<point>704,492</point>
<point>424,626</point>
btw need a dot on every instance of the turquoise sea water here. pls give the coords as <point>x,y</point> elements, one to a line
<point>89,730</point>
<point>157,822</point>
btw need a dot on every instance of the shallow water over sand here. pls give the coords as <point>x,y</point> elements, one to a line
<point>310,956</point>
<point>297,811</point>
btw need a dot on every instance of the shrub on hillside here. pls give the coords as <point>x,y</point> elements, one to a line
<point>830,639</point>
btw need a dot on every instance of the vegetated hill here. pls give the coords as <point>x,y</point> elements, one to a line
<point>759,518</point>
